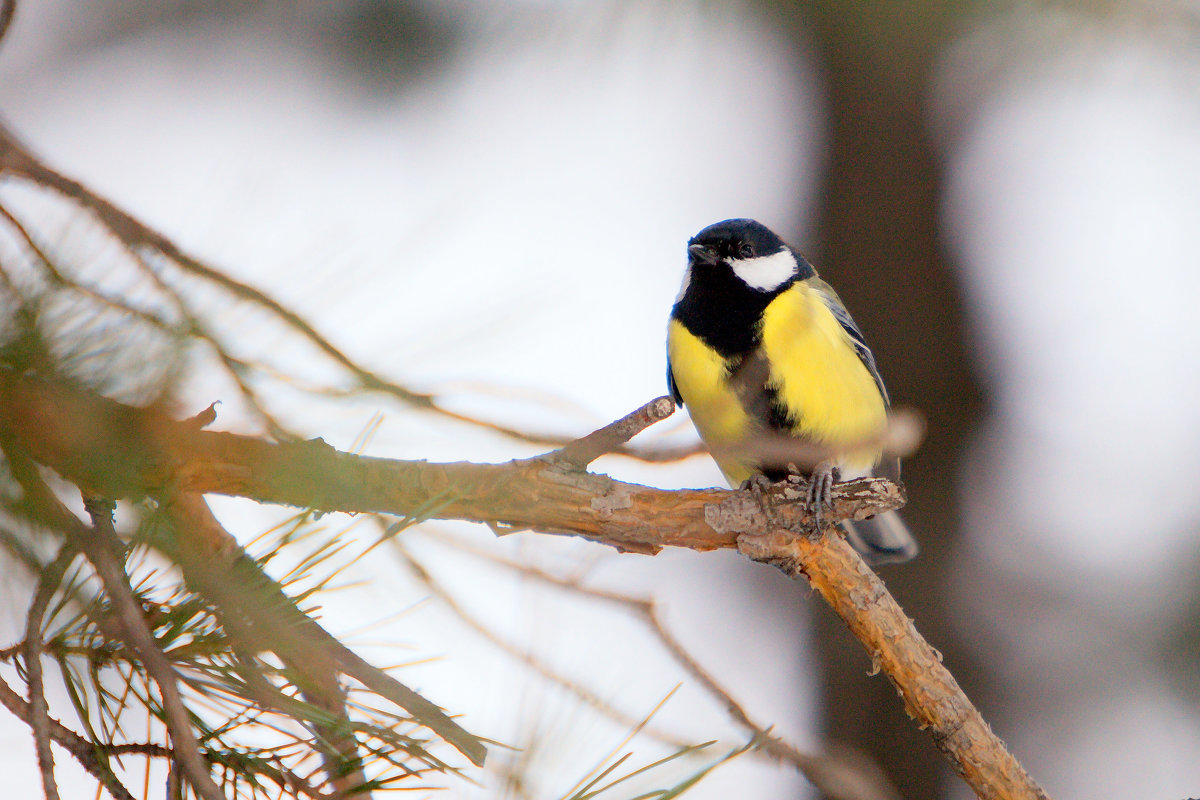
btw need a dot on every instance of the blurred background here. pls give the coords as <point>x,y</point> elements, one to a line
<point>489,201</point>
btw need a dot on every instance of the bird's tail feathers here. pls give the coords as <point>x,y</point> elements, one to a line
<point>882,539</point>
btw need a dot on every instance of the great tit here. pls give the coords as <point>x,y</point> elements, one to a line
<point>762,352</point>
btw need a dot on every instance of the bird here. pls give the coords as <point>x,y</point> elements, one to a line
<point>761,351</point>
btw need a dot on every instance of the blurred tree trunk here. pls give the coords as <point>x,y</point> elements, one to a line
<point>877,236</point>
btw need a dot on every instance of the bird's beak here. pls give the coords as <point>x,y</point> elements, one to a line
<point>703,255</point>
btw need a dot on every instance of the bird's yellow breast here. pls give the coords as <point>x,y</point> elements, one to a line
<point>830,395</point>
<point>702,377</point>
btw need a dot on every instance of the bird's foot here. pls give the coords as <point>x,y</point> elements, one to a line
<point>757,484</point>
<point>820,490</point>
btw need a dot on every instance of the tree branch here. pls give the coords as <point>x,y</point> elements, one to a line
<point>931,695</point>
<point>252,607</point>
<point>76,432</point>
<point>116,450</point>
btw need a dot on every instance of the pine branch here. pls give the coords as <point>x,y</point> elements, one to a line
<point>99,544</point>
<point>259,615</point>
<point>256,610</point>
<point>128,451</point>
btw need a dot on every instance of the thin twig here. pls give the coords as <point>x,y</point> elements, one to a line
<point>83,751</point>
<point>59,279</point>
<point>531,661</point>
<point>39,721</point>
<point>584,451</point>
<point>149,749</point>
<point>15,157</point>
<point>134,235</point>
<point>235,368</point>
<point>837,777</point>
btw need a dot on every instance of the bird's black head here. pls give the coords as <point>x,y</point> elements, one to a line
<point>751,251</point>
<point>734,239</point>
<point>735,269</point>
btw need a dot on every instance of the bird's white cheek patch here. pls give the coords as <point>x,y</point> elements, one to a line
<point>765,273</point>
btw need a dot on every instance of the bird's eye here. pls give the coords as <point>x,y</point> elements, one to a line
<point>745,250</point>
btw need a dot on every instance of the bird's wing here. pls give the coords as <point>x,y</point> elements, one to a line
<point>671,387</point>
<point>835,306</point>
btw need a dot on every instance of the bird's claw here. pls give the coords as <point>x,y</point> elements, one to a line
<point>757,484</point>
<point>820,490</point>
